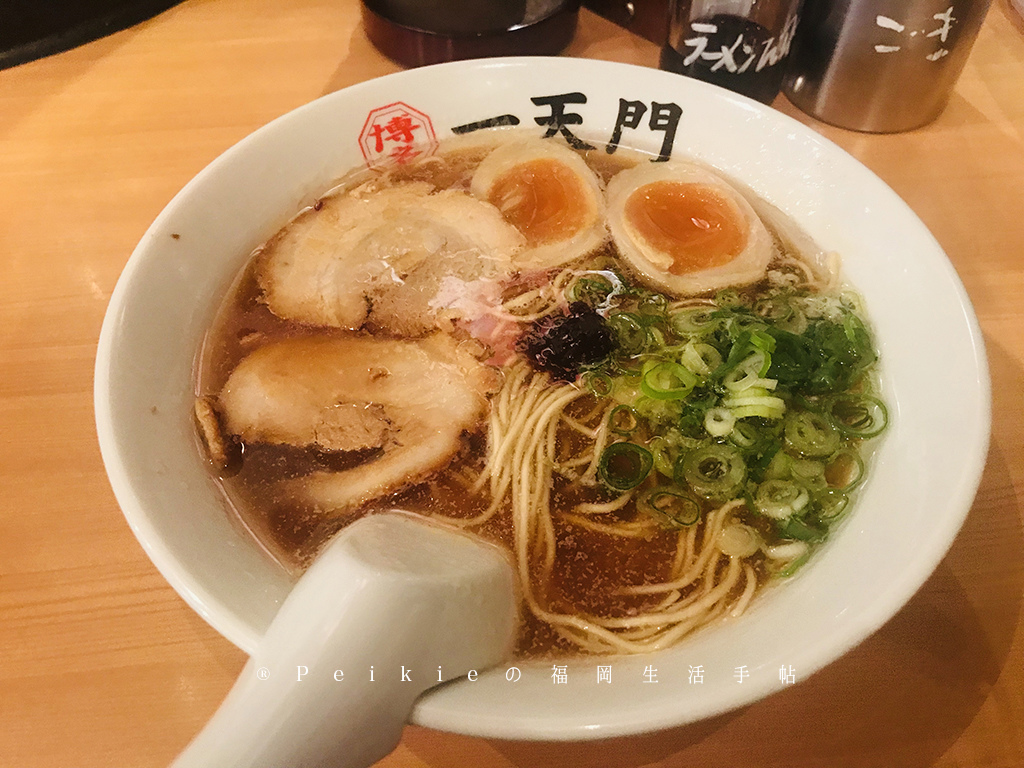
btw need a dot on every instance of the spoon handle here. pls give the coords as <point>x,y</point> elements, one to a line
<point>389,601</point>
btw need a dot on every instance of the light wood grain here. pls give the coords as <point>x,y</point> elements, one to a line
<point>102,664</point>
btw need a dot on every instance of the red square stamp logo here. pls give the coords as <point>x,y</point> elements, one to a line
<point>396,133</point>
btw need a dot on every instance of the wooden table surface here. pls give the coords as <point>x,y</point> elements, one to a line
<point>102,664</point>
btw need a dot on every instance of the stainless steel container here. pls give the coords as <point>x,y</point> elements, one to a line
<point>880,65</point>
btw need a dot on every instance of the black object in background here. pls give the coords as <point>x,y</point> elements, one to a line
<point>32,29</point>
<point>647,18</point>
<point>417,32</point>
<point>762,85</point>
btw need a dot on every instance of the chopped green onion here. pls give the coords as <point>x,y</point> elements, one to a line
<point>795,528</point>
<point>655,338</point>
<point>746,411</point>
<point>719,422</point>
<point>664,454</point>
<point>652,308</point>
<point>744,434</point>
<point>834,357</point>
<point>811,434</point>
<point>623,466</point>
<point>809,472</point>
<point>782,311</point>
<point>755,402</point>
<point>623,420</point>
<point>857,415</point>
<point>831,504</point>
<point>780,499</point>
<point>628,366</point>
<point>658,414</point>
<point>592,288</point>
<point>714,471</point>
<point>788,551</point>
<point>743,323</point>
<point>776,309</point>
<point>738,380</point>
<point>667,381</point>
<point>694,321</point>
<point>671,506</point>
<point>781,466</point>
<point>788,557</point>
<point>750,372</point>
<point>794,566</point>
<point>728,297</point>
<point>852,301</point>
<point>844,469</point>
<point>738,540</point>
<point>598,384</point>
<point>630,334</point>
<point>758,401</point>
<point>764,341</point>
<point>759,456</point>
<point>700,358</point>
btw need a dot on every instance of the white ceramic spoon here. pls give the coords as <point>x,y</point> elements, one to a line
<point>392,593</point>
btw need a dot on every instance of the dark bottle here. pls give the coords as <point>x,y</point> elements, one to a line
<point>732,52</point>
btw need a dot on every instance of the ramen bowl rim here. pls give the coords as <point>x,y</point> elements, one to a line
<point>441,709</point>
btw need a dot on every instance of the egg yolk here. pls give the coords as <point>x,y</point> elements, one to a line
<point>542,198</point>
<point>692,224</point>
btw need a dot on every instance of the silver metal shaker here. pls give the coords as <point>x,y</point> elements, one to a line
<point>880,65</point>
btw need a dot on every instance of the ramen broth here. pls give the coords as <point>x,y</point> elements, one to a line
<point>591,568</point>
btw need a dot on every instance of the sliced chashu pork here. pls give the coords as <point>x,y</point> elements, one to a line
<point>412,400</point>
<point>379,255</point>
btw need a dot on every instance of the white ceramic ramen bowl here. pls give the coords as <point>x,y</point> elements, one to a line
<point>906,517</point>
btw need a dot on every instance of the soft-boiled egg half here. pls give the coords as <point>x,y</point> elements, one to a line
<point>546,191</point>
<point>685,230</point>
